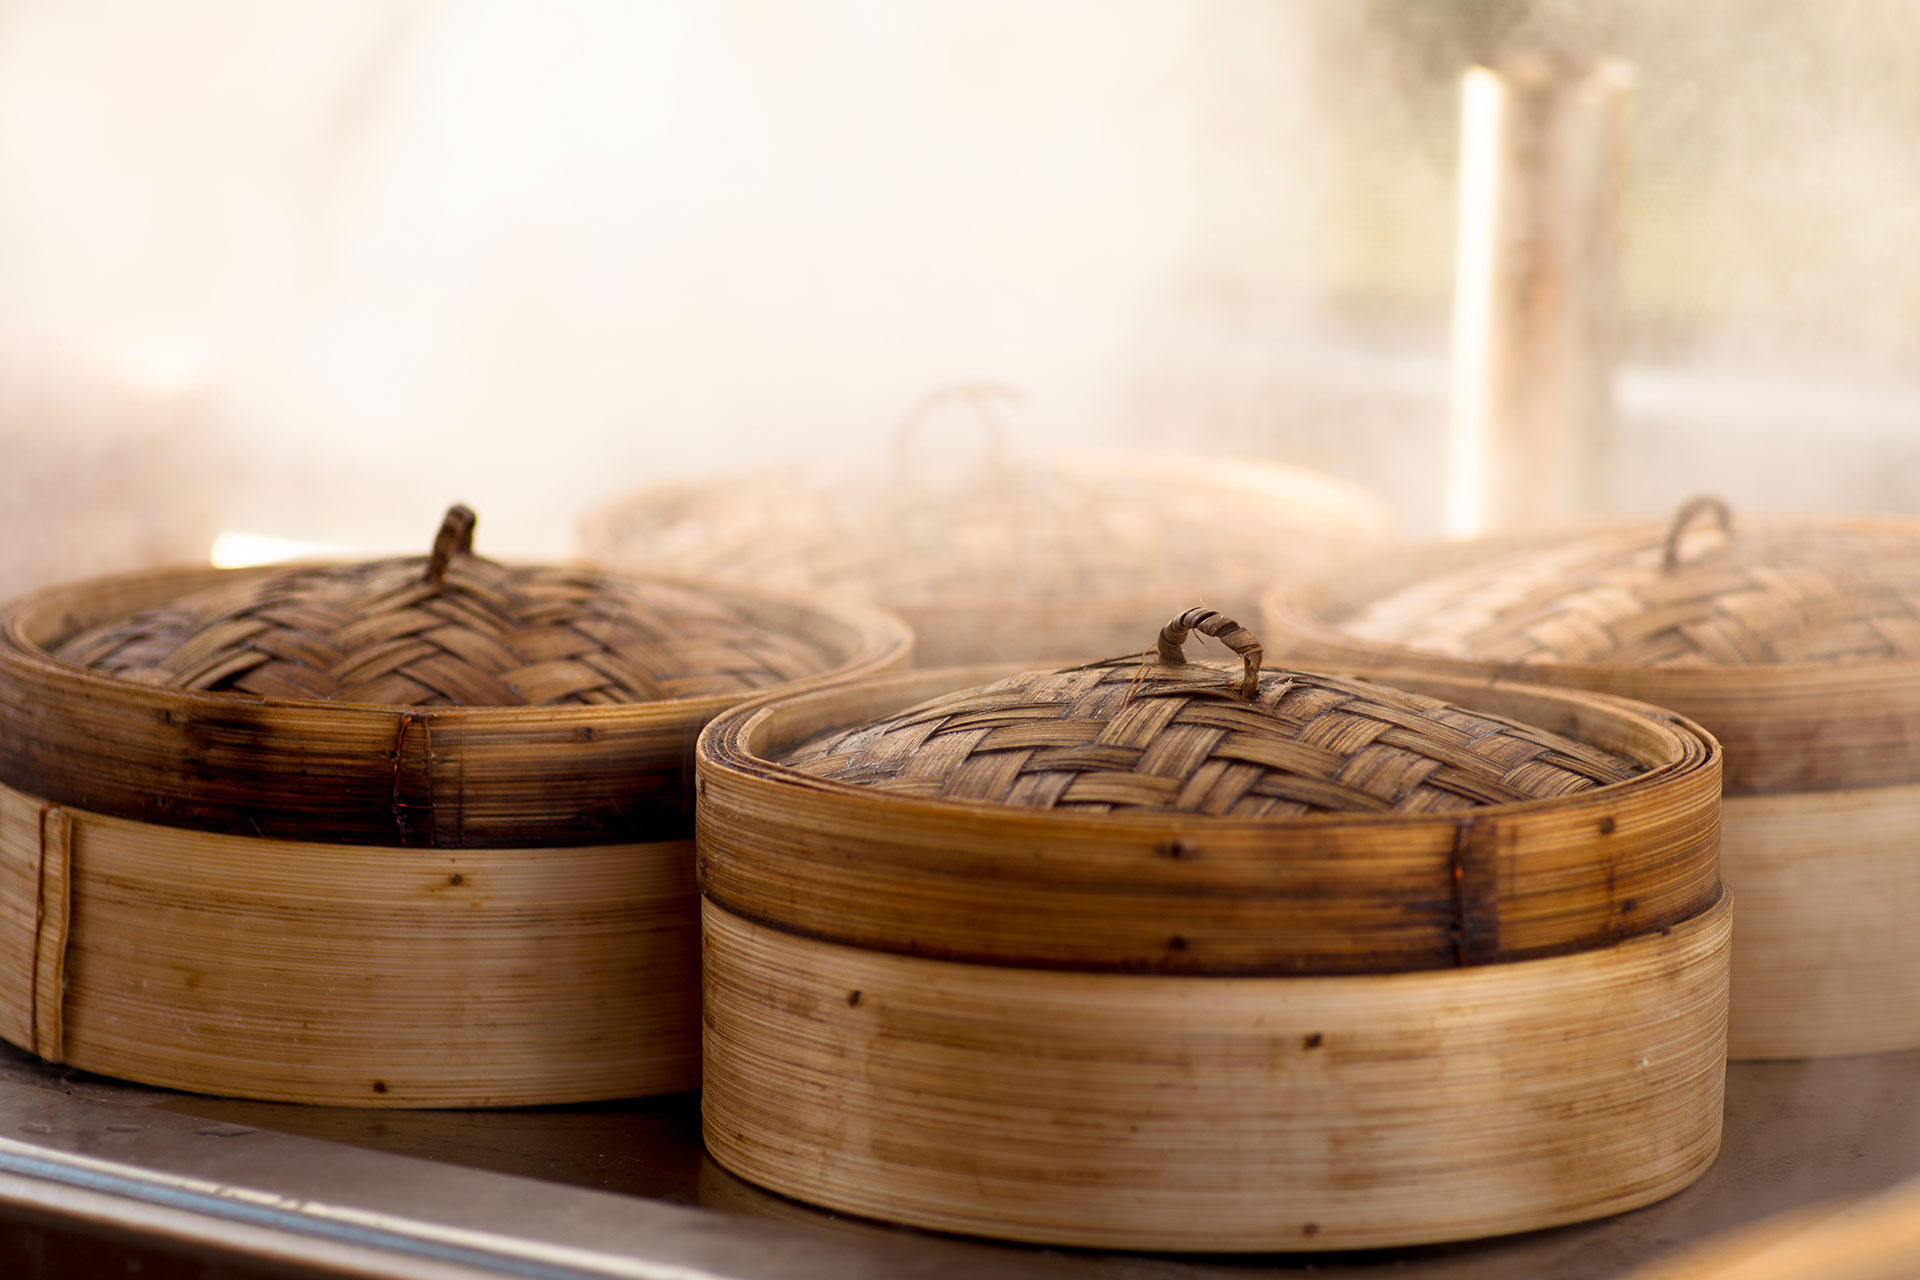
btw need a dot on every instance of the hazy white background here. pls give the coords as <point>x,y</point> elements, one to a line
<point>362,257</point>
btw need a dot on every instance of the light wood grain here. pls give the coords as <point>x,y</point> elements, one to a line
<point>346,974</point>
<point>1828,960</point>
<point>1183,892</point>
<point>1195,1113</point>
<point>20,890</point>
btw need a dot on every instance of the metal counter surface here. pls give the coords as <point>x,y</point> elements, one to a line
<point>625,1189</point>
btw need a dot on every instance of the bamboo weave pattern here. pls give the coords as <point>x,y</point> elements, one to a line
<point>486,635</point>
<point>1037,530</point>
<point>1761,596</point>
<point>1115,737</point>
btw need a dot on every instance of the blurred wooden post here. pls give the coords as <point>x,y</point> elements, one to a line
<point>1543,163</point>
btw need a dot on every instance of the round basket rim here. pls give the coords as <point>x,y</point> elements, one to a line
<point>1298,604</point>
<point>728,742</point>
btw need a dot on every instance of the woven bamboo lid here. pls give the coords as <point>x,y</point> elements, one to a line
<point>449,629</point>
<point>1059,526</point>
<point>1795,641</point>
<point>1003,555</point>
<point>1703,593</point>
<point>1164,815</point>
<point>442,700</point>
<point>1123,735</point>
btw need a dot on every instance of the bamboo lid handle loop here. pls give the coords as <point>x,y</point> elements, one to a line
<point>987,399</point>
<point>454,539</point>
<point>1173,638</point>
<point>1689,512</point>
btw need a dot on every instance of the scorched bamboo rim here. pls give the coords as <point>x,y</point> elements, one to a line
<point>366,773</point>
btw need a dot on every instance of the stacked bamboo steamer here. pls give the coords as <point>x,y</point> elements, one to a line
<point>1042,557</point>
<point>1166,955</point>
<point>412,832</point>
<point>1795,642</point>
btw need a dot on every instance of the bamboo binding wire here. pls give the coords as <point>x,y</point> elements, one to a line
<point>1204,993</point>
<point>1795,642</point>
<point>208,885</point>
<point>1010,555</point>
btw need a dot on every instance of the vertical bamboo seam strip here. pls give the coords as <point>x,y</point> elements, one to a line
<point>52,911</point>
<point>1209,1114</point>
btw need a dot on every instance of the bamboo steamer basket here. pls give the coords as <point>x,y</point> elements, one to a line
<point>1796,642</point>
<point>1168,956</point>
<point>1044,557</point>
<point>408,833</point>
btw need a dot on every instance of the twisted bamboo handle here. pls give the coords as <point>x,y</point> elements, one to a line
<point>1222,628</point>
<point>454,539</point>
<point>1691,510</point>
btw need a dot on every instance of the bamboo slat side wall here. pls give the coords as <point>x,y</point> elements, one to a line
<point>1800,726</point>
<point>1828,960</point>
<point>1192,894</point>
<point>1185,1113</point>
<point>361,774</point>
<point>20,863</point>
<point>346,974</point>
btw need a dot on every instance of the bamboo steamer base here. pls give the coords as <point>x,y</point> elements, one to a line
<point>1216,1114</point>
<point>347,974</point>
<point>1828,960</point>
